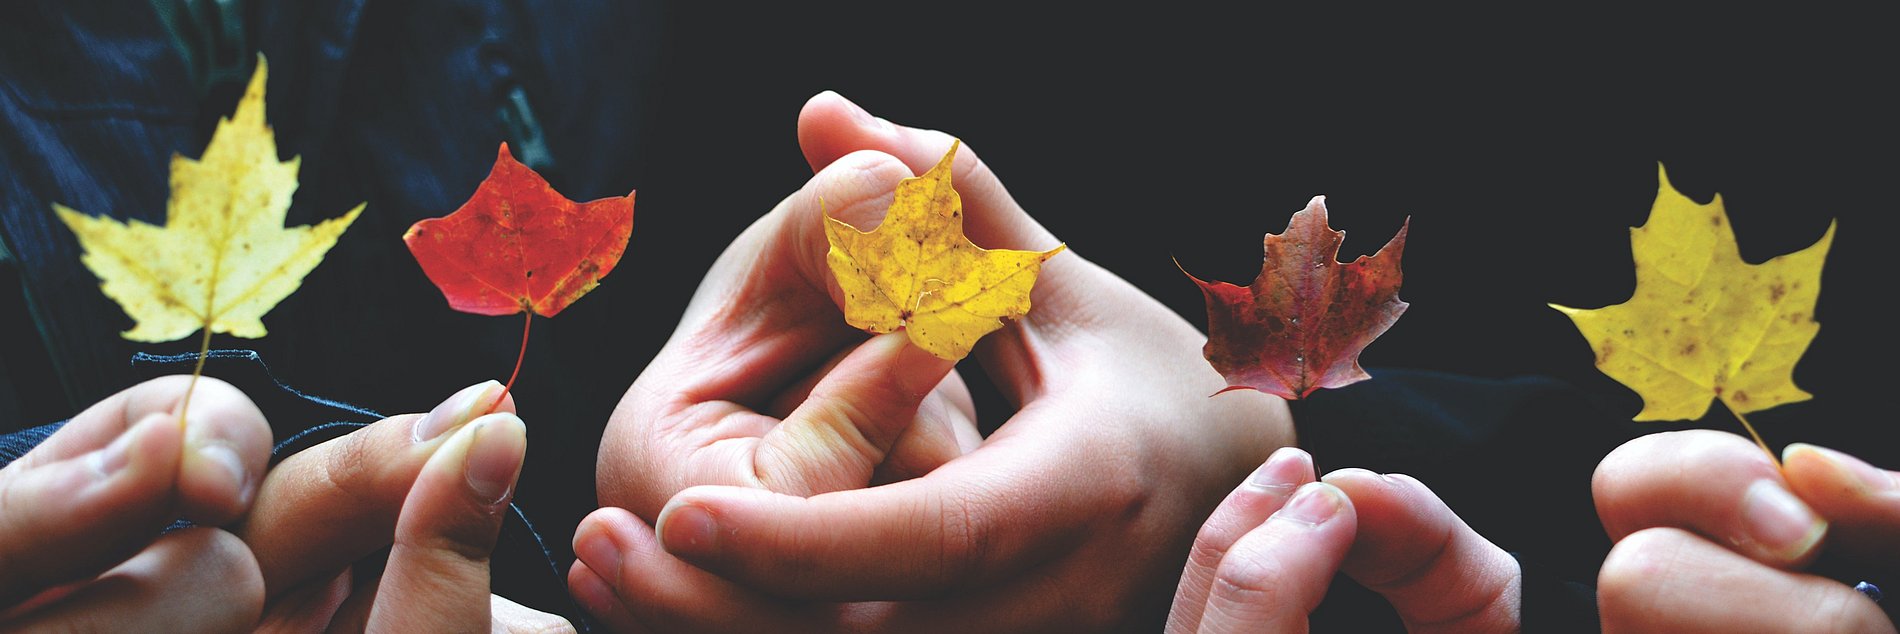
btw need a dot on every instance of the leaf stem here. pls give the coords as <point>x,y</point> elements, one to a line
<point>525,324</point>
<point>204,349</point>
<point>1758,441</point>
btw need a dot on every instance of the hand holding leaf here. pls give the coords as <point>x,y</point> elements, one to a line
<point>918,272</point>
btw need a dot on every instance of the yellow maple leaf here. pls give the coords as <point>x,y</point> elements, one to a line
<point>223,257</point>
<point>917,271</point>
<point>1702,323</point>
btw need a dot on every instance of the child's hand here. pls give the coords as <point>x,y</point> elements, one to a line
<point>1264,559</point>
<point>1711,536</point>
<point>81,515</point>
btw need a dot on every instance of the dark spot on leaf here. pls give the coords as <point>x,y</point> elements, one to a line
<point>1689,349</point>
<point>1740,396</point>
<point>1775,292</point>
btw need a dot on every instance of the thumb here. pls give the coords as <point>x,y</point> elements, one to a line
<point>1438,574</point>
<point>437,575</point>
<point>847,425</point>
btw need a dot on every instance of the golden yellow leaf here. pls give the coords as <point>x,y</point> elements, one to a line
<point>224,257</point>
<point>1704,324</point>
<point>917,271</point>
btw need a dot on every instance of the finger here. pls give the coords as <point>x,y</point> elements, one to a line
<point>1245,509</point>
<point>957,528</point>
<point>1438,574</point>
<point>1668,580</point>
<point>1861,502</point>
<point>1709,482</point>
<point>437,575</point>
<point>515,618</point>
<point>623,577</point>
<point>308,608</point>
<point>327,506</point>
<point>944,426</point>
<point>852,418</point>
<point>69,520</point>
<point>1071,296</point>
<point>226,443</point>
<point>831,127</point>
<point>191,580</point>
<point>1278,572</point>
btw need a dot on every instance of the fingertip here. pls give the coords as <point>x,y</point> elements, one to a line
<point>829,126</point>
<point>498,444</point>
<point>1807,467</point>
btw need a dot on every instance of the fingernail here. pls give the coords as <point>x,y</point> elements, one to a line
<point>494,456</point>
<point>1777,520</point>
<point>116,455</point>
<point>688,530</point>
<point>1871,478</point>
<point>1284,470</point>
<point>223,455</point>
<point>1312,505</point>
<point>202,440</point>
<point>455,411</point>
<point>598,550</point>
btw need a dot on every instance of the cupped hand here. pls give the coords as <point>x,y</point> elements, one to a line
<point>1074,515</point>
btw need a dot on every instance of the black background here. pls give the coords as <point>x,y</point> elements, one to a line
<point>1521,146</point>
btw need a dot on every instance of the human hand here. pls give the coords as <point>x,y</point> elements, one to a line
<point>436,486</point>
<point>81,515</point>
<point>1264,559</point>
<point>1711,537</point>
<point>1073,515</point>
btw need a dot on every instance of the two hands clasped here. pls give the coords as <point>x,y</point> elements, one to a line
<point>773,470</point>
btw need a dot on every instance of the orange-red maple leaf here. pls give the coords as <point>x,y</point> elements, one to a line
<point>519,245</point>
<point>1303,322</point>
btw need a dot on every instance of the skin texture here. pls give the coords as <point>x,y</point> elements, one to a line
<point>1263,560</point>
<point>80,520</point>
<point>433,487</point>
<point>1700,547</point>
<point>80,516</point>
<point>752,453</point>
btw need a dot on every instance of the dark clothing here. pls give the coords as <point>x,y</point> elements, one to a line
<point>400,104</point>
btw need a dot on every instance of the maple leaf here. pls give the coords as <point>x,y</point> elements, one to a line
<point>917,271</point>
<point>1702,324</point>
<point>224,256</point>
<point>519,246</point>
<point>1303,322</point>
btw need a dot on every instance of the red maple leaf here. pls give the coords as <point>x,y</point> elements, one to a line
<point>1303,322</point>
<point>517,245</point>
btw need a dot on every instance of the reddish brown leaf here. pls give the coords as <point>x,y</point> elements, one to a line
<point>519,245</point>
<point>1303,322</point>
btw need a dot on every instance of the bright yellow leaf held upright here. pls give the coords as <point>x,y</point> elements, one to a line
<point>224,256</point>
<point>1704,324</point>
<point>917,271</point>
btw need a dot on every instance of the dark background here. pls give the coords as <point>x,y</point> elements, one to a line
<point>1521,145</point>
